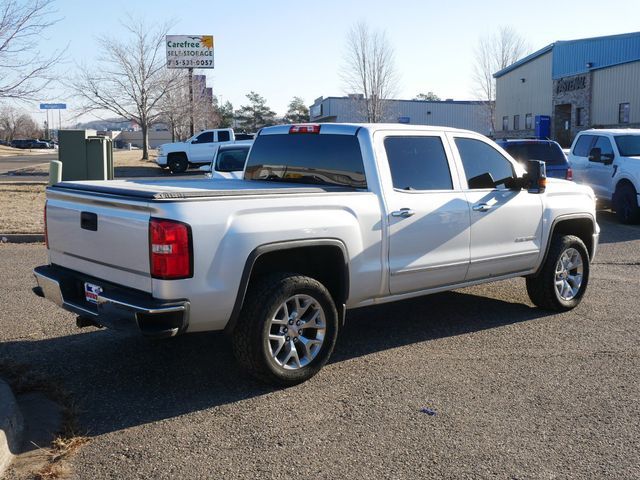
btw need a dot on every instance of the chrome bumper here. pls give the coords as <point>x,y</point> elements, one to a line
<point>116,307</point>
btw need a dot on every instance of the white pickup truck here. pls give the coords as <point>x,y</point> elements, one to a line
<point>609,162</point>
<point>197,150</point>
<point>328,218</point>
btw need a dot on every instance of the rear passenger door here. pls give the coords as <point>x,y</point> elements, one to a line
<point>428,217</point>
<point>506,224</point>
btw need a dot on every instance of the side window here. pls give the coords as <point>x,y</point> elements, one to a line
<point>484,166</point>
<point>206,137</point>
<point>418,163</point>
<point>224,136</point>
<point>583,146</point>
<point>604,144</point>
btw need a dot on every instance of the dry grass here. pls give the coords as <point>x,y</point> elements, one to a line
<point>21,208</point>
<point>21,204</point>
<point>68,441</point>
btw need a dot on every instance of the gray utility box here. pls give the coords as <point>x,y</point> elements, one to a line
<point>85,156</point>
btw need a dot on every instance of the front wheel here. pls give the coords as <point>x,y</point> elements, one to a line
<point>178,163</point>
<point>625,203</point>
<point>287,329</point>
<point>561,283</point>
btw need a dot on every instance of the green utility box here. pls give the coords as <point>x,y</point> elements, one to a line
<point>85,156</point>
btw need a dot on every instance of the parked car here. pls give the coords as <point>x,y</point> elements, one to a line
<point>229,161</point>
<point>196,151</point>
<point>21,143</point>
<point>327,218</point>
<point>609,162</point>
<point>548,151</point>
<point>40,144</point>
<point>5,143</point>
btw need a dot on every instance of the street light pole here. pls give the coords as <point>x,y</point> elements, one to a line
<point>191,101</point>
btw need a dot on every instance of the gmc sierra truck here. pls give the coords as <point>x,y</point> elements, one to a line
<point>327,218</point>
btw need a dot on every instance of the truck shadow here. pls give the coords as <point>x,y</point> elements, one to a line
<point>119,381</point>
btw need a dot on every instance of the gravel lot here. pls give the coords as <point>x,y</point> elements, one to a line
<point>517,393</point>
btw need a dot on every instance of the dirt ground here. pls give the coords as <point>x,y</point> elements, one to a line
<point>21,203</point>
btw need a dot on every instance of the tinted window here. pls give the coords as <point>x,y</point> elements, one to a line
<point>583,146</point>
<point>604,144</point>
<point>418,163</point>
<point>224,136</point>
<point>478,159</point>
<point>307,158</point>
<point>206,137</point>
<point>550,153</point>
<point>628,145</point>
<point>231,160</point>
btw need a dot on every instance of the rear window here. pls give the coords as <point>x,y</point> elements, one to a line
<point>548,152</point>
<point>231,160</point>
<point>628,145</point>
<point>307,158</point>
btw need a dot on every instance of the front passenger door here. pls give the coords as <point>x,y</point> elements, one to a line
<point>506,224</point>
<point>202,148</point>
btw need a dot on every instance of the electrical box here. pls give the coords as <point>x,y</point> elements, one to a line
<point>85,156</point>
<point>543,127</point>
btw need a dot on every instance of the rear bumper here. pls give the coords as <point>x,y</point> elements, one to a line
<point>116,307</point>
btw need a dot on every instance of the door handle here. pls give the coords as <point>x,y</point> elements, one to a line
<point>403,213</point>
<point>481,207</point>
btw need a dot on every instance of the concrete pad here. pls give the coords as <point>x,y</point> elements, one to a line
<point>11,426</point>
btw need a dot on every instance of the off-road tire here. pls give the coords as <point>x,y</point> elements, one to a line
<point>625,204</point>
<point>541,287</point>
<point>250,334</point>
<point>178,163</point>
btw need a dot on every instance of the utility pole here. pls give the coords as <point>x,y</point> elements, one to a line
<point>191,101</point>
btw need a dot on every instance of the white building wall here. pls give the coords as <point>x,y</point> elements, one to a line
<point>534,95</point>
<point>613,86</point>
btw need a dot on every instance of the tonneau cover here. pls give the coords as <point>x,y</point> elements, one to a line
<point>163,188</point>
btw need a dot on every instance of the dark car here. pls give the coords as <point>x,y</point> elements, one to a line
<point>21,143</point>
<point>546,150</point>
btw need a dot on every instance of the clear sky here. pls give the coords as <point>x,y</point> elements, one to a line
<point>284,48</point>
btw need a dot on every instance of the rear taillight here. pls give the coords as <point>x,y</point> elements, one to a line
<point>569,175</point>
<point>170,249</point>
<point>308,128</point>
<point>46,234</point>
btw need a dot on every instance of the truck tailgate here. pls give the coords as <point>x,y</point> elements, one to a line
<point>103,238</point>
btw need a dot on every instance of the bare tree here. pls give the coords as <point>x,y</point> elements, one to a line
<point>493,53</point>
<point>369,70</point>
<point>23,70</point>
<point>17,124</point>
<point>130,78</point>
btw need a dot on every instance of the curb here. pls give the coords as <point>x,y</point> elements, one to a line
<point>21,238</point>
<point>11,426</point>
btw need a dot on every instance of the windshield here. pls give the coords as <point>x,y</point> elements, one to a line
<point>231,160</point>
<point>628,145</point>
<point>550,153</point>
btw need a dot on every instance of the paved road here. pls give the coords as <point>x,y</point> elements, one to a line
<point>518,393</point>
<point>9,163</point>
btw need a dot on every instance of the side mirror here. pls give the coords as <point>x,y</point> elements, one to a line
<point>536,176</point>
<point>607,158</point>
<point>595,155</point>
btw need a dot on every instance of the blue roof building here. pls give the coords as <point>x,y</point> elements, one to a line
<point>580,84</point>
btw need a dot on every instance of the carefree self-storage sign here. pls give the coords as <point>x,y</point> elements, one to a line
<point>189,51</point>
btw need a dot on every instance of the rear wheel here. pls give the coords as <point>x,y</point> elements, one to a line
<point>178,163</point>
<point>625,203</point>
<point>287,329</point>
<point>563,279</point>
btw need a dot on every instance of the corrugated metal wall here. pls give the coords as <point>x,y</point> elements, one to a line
<point>467,115</point>
<point>613,86</point>
<point>534,95</point>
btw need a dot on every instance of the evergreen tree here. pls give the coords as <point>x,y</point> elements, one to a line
<point>225,114</point>
<point>298,111</point>
<point>255,115</point>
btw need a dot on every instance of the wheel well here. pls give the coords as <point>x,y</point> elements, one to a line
<point>325,263</point>
<point>580,227</point>
<point>176,154</point>
<point>622,182</point>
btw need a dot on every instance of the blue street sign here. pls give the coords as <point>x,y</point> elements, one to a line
<point>53,106</point>
<point>404,119</point>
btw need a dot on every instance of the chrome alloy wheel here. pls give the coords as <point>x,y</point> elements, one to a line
<point>297,331</point>
<point>568,274</point>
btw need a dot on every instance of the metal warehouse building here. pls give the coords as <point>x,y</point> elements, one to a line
<point>470,115</point>
<point>579,84</point>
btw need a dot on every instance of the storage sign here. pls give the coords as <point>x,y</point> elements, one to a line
<point>189,51</point>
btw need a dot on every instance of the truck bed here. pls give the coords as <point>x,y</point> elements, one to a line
<point>172,189</point>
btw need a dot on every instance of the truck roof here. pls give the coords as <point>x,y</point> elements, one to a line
<point>352,128</point>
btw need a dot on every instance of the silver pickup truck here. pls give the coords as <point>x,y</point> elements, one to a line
<point>328,218</point>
